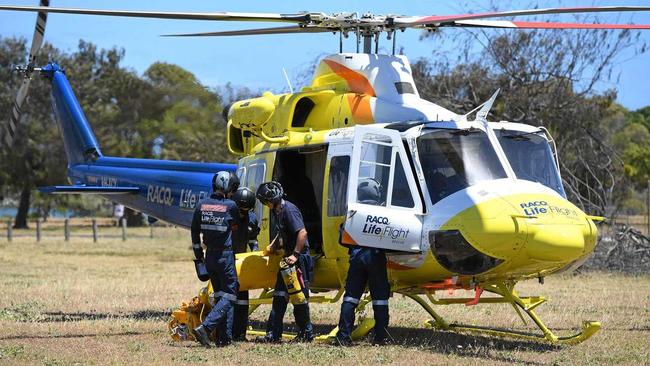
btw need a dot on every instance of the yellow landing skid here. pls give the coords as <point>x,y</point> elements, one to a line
<point>507,295</point>
<point>364,326</point>
<point>359,332</point>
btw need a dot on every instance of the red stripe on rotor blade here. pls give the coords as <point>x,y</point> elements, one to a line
<point>548,25</point>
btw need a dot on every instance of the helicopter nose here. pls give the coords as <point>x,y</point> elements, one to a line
<point>558,242</point>
<point>557,231</point>
<point>526,230</point>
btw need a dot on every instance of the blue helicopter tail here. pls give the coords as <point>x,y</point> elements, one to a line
<point>78,138</point>
<point>163,189</point>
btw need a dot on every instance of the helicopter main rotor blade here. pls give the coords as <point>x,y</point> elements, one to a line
<point>259,31</point>
<point>39,31</point>
<point>541,25</point>
<point>438,19</point>
<point>16,110</point>
<point>221,16</point>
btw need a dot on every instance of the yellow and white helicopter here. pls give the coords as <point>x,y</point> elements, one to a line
<point>467,203</point>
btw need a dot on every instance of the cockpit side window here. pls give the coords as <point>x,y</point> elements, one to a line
<point>374,169</point>
<point>456,159</point>
<point>531,158</point>
<point>382,174</point>
<point>255,177</point>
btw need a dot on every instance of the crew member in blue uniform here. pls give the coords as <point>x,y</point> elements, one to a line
<point>216,218</point>
<point>245,237</point>
<point>288,233</point>
<point>367,266</point>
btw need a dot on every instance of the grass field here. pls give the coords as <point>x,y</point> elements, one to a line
<point>108,303</point>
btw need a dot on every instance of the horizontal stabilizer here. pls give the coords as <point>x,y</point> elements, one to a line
<point>88,190</point>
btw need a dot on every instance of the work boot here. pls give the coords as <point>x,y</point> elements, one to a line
<point>240,338</point>
<point>201,335</point>
<point>303,337</point>
<point>267,339</point>
<point>222,343</point>
<point>342,342</point>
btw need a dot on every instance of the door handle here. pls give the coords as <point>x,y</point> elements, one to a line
<point>351,213</point>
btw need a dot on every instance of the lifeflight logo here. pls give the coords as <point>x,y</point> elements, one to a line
<point>380,227</point>
<point>534,208</point>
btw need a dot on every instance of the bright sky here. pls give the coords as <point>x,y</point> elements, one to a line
<point>257,62</point>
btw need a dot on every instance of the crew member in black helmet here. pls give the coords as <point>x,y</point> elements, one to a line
<point>245,237</point>
<point>216,218</point>
<point>367,266</point>
<point>287,232</point>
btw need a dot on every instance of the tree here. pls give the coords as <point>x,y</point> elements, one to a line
<point>112,98</point>
<point>191,126</point>
<point>546,78</point>
<point>35,151</point>
<point>167,113</point>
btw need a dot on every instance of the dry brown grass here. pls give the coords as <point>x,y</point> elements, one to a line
<point>108,303</point>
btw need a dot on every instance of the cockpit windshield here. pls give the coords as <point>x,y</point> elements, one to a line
<point>453,159</point>
<point>531,158</point>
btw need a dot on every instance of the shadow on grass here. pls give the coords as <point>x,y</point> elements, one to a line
<point>59,316</point>
<point>463,345</point>
<point>85,335</point>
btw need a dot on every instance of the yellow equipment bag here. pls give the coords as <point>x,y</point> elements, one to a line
<point>290,278</point>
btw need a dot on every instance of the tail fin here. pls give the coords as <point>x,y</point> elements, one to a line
<point>78,138</point>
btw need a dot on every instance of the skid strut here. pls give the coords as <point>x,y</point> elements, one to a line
<point>522,305</point>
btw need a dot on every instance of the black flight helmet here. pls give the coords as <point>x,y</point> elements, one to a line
<point>244,198</point>
<point>270,192</point>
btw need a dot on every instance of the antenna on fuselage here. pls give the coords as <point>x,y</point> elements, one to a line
<point>286,77</point>
<point>483,109</point>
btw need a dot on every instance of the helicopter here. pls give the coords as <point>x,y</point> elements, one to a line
<point>466,203</point>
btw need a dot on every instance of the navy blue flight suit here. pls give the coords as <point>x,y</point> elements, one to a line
<point>367,266</point>
<point>216,218</point>
<point>245,236</point>
<point>287,224</point>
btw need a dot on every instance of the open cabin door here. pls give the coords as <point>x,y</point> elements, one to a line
<point>393,220</point>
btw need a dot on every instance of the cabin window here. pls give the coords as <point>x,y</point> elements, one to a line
<point>454,159</point>
<point>404,88</point>
<point>338,186</point>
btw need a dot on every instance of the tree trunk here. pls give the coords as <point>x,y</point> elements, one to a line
<point>23,208</point>
<point>133,218</point>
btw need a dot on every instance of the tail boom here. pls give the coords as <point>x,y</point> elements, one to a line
<point>164,189</point>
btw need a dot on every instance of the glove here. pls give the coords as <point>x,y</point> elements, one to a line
<point>201,271</point>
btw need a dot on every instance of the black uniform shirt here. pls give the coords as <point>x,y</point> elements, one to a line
<point>247,231</point>
<point>288,222</point>
<point>216,218</point>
